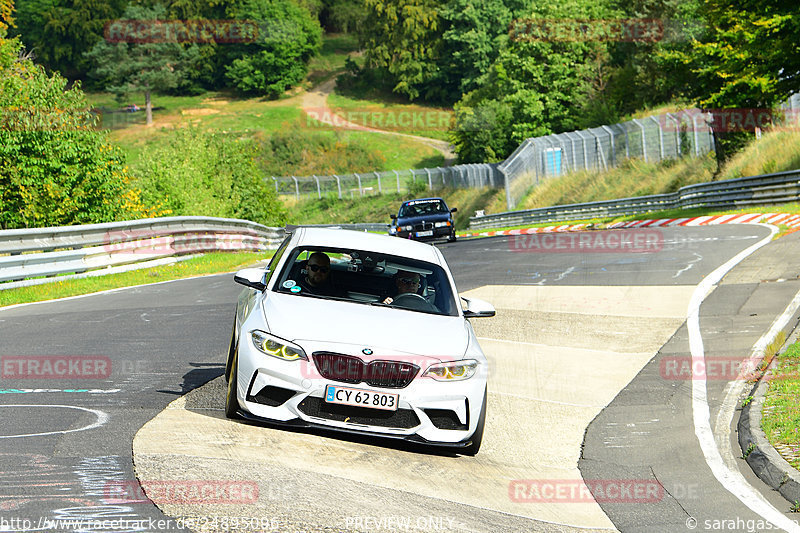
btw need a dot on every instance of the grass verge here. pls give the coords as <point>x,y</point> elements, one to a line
<point>212,263</point>
<point>781,413</point>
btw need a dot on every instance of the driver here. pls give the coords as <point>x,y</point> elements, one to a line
<point>406,282</point>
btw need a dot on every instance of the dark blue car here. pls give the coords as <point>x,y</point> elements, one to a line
<point>424,219</point>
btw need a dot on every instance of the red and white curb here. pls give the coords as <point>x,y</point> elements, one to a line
<point>787,219</point>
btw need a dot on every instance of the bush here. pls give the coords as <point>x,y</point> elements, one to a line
<point>201,173</point>
<point>55,168</point>
<point>287,39</point>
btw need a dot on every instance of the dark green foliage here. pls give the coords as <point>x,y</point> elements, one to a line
<point>55,168</point>
<point>148,66</point>
<point>278,59</point>
<point>201,173</point>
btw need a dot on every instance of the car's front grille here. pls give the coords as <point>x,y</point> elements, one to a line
<point>400,419</point>
<point>422,226</point>
<point>351,369</point>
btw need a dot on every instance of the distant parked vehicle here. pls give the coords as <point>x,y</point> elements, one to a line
<point>425,219</point>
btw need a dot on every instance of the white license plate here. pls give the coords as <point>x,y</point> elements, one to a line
<point>361,398</point>
<point>428,233</point>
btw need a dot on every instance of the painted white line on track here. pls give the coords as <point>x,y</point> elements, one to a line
<point>102,418</point>
<point>731,479</point>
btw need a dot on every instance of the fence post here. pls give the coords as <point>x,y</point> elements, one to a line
<point>430,184</point>
<point>441,173</point>
<point>694,131</point>
<point>397,174</point>
<point>380,189</point>
<point>644,140</point>
<point>583,145</point>
<point>660,138</point>
<point>360,190</point>
<point>338,185</point>
<point>296,188</point>
<point>677,134</point>
<point>613,145</point>
<point>276,184</point>
<point>319,192</point>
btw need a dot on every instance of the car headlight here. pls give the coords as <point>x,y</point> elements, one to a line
<point>276,347</point>
<point>441,224</point>
<point>405,228</point>
<point>452,370</point>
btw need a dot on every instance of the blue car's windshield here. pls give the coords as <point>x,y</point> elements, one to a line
<point>418,208</point>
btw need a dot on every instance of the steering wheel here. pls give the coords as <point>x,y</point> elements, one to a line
<point>412,300</point>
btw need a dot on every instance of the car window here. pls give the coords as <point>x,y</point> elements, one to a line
<point>418,208</point>
<point>367,278</point>
<point>276,258</point>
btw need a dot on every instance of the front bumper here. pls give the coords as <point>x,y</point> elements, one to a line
<point>292,393</point>
<point>446,232</point>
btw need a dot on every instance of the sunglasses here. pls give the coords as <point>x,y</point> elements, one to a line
<point>315,268</point>
<point>409,281</point>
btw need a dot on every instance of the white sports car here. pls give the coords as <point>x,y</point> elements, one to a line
<point>358,333</point>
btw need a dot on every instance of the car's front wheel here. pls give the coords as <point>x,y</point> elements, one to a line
<point>231,401</point>
<point>477,437</point>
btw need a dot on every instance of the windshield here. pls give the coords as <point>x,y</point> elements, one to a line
<point>367,278</point>
<point>418,208</point>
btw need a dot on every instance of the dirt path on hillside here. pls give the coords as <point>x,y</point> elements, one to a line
<point>315,105</point>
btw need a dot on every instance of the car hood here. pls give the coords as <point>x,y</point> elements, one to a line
<point>439,217</point>
<point>351,327</point>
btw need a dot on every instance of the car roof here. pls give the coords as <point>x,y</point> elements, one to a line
<point>433,198</point>
<point>360,240</point>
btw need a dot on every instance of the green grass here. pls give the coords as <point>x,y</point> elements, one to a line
<point>389,112</point>
<point>781,414</point>
<point>212,263</point>
<point>331,58</point>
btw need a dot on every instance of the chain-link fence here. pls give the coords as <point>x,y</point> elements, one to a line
<point>654,138</point>
<point>369,183</point>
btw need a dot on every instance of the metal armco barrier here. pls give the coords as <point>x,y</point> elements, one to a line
<point>778,188</point>
<point>35,252</point>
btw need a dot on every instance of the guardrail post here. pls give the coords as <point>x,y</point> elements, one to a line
<point>380,189</point>
<point>319,192</point>
<point>296,188</point>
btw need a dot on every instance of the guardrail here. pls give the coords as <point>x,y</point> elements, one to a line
<point>778,188</point>
<point>97,249</point>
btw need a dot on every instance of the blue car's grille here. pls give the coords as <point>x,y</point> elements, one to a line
<point>350,369</point>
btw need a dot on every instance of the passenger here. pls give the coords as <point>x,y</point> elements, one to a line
<point>405,283</point>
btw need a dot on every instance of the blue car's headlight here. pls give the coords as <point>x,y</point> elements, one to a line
<point>276,347</point>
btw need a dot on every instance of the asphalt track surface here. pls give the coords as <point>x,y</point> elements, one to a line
<point>65,443</point>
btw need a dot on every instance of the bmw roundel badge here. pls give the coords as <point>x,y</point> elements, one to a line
<point>366,351</point>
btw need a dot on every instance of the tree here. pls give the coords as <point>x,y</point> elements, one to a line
<point>538,84</point>
<point>55,168</point>
<point>61,31</point>
<point>288,37</point>
<point>403,39</point>
<point>149,62</point>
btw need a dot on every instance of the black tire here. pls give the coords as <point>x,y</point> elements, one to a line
<point>452,237</point>
<point>477,437</point>
<point>231,353</point>
<point>231,401</point>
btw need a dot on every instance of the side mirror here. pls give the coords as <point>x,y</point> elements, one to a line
<point>454,209</point>
<point>393,217</point>
<point>251,277</point>
<point>476,308</point>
